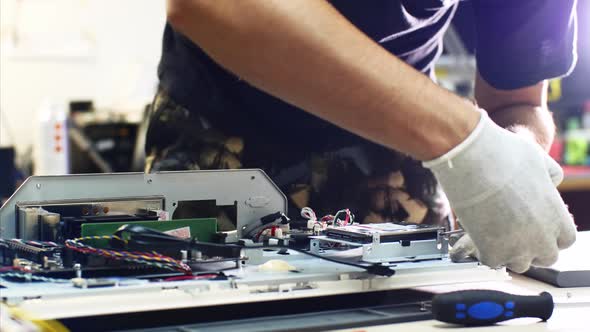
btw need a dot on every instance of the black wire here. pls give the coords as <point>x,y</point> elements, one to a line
<point>376,268</point>
<point>149,237</point>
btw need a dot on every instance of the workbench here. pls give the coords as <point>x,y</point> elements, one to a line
<point>571,314</point>
<point>316,293</point>
<point>575,191</point>
<point>576,179</point>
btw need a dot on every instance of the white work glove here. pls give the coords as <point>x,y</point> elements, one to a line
<point>502,187</point>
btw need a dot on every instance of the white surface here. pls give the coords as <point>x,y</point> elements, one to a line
<point>569,259</point>
<point>572,311</point>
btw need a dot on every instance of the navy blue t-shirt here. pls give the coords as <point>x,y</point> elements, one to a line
<point>518,43</point>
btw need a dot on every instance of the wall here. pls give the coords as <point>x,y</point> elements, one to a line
<point>105,50</point>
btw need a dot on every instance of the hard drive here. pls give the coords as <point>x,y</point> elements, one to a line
<point>388,232</point>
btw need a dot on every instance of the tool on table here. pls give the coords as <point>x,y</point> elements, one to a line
<point>487,307</point>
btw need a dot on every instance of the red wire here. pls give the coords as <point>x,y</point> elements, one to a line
<point>262,230</point>
<point>99,253</point>
<point>13,268</point>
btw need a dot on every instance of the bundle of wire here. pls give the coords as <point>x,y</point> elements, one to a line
<point>272,221</point>
<point>153,258</point>
<point>329,219</point>
<point>335,220</point>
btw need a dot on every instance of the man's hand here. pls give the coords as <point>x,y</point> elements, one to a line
<point>501,185</point>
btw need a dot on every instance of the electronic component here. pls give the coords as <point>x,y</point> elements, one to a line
<point>71,227</point>
<point>203,229</point>
<point>387,243</point>
<point>45,254</point>
<point>256,228</point>
<point>58,220</point>
<point>387,232</point>
<point>36,223</point>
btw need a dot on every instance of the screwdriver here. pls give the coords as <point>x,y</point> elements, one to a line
<point>487,307</point>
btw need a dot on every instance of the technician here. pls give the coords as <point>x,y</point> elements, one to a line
<point>336,101</point>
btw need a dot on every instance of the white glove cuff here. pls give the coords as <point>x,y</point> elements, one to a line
<point>484,160</point>
<point>448,157</point>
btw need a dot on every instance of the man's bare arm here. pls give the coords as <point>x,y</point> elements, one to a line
<point>521,110</point>
<point>306,53</point>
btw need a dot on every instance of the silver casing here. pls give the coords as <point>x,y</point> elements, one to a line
<point>252,191</point>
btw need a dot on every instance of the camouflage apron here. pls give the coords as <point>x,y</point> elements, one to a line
<point>376,184</point>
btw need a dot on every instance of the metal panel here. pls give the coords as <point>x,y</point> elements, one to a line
<point>312,321</point>
<point>227,187</point>
<point>316,278</point>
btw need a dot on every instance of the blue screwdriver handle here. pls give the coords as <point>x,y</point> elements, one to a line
<point>486,307</point>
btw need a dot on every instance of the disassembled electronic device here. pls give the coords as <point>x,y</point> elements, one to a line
<point>196,239</point>
<point>387,242</point>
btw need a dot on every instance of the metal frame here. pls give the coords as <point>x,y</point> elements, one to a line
<point>253,192</point>
<point>391,252</point>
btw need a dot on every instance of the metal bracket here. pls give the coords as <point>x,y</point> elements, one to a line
<point>389,252</point>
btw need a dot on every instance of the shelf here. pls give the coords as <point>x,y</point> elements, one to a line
<point>577,178</point>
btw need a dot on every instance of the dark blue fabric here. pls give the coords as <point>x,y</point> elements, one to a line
<point>519,42</point>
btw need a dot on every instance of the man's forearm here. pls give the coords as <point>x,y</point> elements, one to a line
<point>522,110</point>
<point>306,53</point>
<point>527,119</point>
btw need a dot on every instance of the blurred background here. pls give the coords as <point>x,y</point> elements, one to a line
<point>76,78</point>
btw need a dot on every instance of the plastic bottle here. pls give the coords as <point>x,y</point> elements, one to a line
<point>576,143</point>
<point>586,115</point>
<point>51,144</point>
